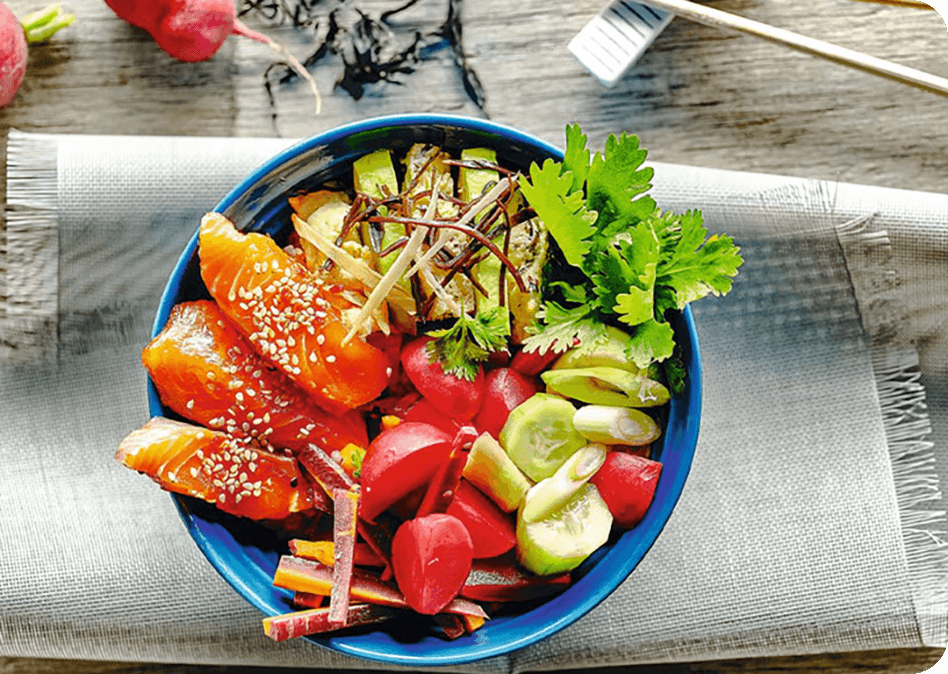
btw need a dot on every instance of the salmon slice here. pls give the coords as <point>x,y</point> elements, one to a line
<point>206,371</point>
<point>291,317</point>
<point>237,477</point>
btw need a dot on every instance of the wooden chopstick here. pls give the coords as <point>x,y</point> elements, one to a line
<point>870,64</point>
<point>914,4</point>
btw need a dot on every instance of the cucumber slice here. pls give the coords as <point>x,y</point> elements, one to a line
<point>561,541</point>
<point>539,435</point>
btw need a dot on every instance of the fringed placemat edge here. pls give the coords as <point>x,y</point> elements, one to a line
<point>30,248</point>
<point>906,423</point>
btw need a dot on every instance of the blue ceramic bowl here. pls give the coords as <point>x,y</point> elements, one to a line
<point>246,555</point>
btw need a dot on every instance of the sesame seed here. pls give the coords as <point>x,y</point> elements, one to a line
<point>330,359</point>
<point>321,339</point>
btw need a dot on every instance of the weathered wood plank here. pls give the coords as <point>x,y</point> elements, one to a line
<point>908,661</point>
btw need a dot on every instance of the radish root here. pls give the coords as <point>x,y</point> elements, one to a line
<point>240,28</point>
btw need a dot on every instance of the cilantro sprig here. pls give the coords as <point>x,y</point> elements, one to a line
<point>637,262</point>
<point>461,348</point>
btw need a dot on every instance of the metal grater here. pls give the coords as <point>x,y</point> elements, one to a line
<point>616,38</point>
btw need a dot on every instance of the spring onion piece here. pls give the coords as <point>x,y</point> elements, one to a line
<point>493,472</point>
<point>615,425</point>
<point>606,386</point>
<point>549,495</point>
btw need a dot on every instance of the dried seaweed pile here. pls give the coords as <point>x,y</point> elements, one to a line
<point>372,49</point>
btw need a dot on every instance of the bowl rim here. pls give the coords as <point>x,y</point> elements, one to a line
<point>583,595</point>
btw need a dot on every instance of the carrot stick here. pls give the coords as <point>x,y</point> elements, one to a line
<point>325,472</point>
<point>324,552</point>
<point>316,620</point>
<point>307,576</point>
<point>345,505</point>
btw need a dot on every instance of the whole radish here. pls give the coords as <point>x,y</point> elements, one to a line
<point>14,37</point>
<point>194,30</point>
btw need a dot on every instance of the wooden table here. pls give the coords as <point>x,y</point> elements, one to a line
<point>699,96</point>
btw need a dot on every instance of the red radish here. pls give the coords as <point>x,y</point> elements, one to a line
<point>194,30</point>
<point>505,389</point>
<point>532,363</point>
<point>458,398</point>
<point>627,484</point>
<point>14,37</point>
<point>399,461</point>
<point>445,483</point>
<point>432,558</point>
<point>493,532</point>
<point>426,412</point>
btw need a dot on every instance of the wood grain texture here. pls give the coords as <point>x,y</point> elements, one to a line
<point>877,662</point>
<point>699,96</point>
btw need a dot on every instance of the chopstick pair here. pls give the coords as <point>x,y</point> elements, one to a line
<point>614,40</point>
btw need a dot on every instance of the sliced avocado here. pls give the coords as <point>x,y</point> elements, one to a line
<point>326,211</point>
<point>472,183</point>
<point>374,175</point>
<point>430,159</point>
<point>606,386</point>
<point>608,354</point>
<point>529,246</point>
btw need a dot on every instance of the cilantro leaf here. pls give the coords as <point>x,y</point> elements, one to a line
<point>576,156</point>
<point>563,211</point>
<point>694,266</point>
<point>470,341</point>
<point>564,329</point>
<point>616,178</point>
<point>571,293</point>
<point>626,270</point>
<point>651,341</point>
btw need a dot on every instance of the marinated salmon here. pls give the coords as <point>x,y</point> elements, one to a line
<point>291,317</point>
<point>206,371</point>
<point>235,476</point>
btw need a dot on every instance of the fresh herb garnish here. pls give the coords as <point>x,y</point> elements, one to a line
<point>461,348</point>
<point>638,262</point>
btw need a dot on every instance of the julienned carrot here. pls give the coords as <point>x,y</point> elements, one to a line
<point>316,621</point>
<point>345,505</point>
<point>472,622</point>
<point>324,552</point>
<point>307,576</point>
<point>309,600</point>
<point>325,472</point>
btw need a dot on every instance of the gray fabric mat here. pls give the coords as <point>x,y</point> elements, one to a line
<point>812,520</point>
